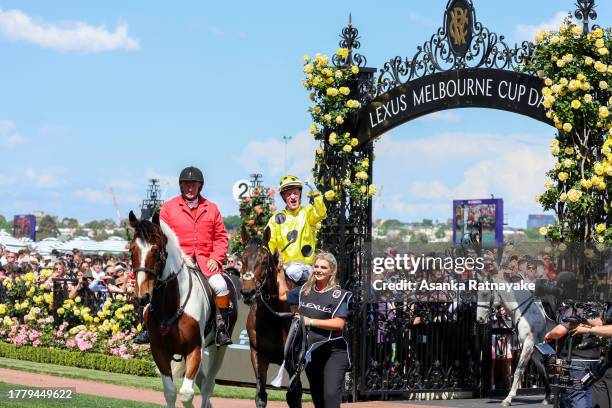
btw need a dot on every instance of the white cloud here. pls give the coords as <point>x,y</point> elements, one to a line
<point>66,36</point>
<point>442,116</point>
<point>47,178</point>
<point>420,20</point>
<point>268,157</point>
<point>528,32</point>
<point>104,197</point>
<point>9,137</point>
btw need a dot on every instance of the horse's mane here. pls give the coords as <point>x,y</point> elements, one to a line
<point>149,232</point>
<point>176,256</point>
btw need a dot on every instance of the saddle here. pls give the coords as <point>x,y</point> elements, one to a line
<point>295,351</point>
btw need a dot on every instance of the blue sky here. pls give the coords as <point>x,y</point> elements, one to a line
<point>112,93</point>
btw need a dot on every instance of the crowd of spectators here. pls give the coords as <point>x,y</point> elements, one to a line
<point>77,274</point>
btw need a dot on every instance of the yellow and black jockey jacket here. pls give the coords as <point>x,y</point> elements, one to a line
<point>302,224</point>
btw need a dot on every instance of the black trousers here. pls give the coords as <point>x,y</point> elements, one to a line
<point>325,373</point>
<point>602,390</point>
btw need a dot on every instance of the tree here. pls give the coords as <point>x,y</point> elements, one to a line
<point>427,223</point>
<point>68,222</point>
<point>47,227</point>
<point>440,233</point>
<point>5,225</point>
<point>232,222</point>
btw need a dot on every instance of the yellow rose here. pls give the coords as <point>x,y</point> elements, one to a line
<point>543,231</point>
<point>77,299</point>
<point>576,30</point>
<point>371,190</point>
<point>603,84</point>
<point>355,69</point>
<point>555,150</point>
<point>332,92</point>
<point>339,120</point>
<point>345,90</point>
<point>563,176</point>
<point>347,148</point>
<point>548,185</point>
<point>2,308</point>
<point>313,130</point>
<point>599,169</point>
<point>567,127</point>
<point>330,195</point>
<point>598,33</point>
<point>548,82</point>
<point>546,91</point>
<point>588,98</point>
<point>560,63</point>
<point>603,112</point>
<point>537,198</point>
<point>354,142</point>
<point>600,67</point>
<point>343,52</point>
<point>329,81</point>
<point>60,311</point>
<point>576,104</point>
<point>567,163</point>
<point>600,228</point>
<point>327,117</point>
<point>588,61</point>
<point>601,185</point>
<point>586,184</point>
<point>306,58</point>
<point>574,195</point>
<point>308,68</point>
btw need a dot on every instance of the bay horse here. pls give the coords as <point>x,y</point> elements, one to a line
<point>269,318</point>
<point>180,316</point>
<point>530,322</point>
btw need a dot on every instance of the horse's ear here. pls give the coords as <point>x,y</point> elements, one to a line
<point>266,236</point>
<point>133,219</point>
<point>155,218</point>
<point>244,235</point>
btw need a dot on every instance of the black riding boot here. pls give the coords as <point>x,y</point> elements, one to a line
<point>142,338</point>
<point>222,337</point>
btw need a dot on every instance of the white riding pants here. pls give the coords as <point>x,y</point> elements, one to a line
<point>217,283</point>
<point>297,271</point>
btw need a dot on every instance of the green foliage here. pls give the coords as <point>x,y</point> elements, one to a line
<point>255,212</point>
<point>5,225</point>
<point>47,227</point>
<point>232,222</point>
<point>93,361</point>
<point>577,70</point>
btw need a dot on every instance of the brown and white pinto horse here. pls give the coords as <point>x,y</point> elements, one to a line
<point>180,314</point>
<point>269,318</point>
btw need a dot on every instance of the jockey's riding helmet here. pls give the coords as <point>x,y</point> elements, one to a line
<point>191,174</point>
<point>288,182</point>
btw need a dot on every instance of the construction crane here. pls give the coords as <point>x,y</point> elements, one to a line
<point>116,204</point>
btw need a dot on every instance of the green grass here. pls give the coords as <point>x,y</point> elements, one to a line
<point>80,401</point>
<point>223,391</point>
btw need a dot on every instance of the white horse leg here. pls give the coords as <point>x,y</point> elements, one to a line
<point>526,353</point>
<point>215,359</point>
<point>169,391</point>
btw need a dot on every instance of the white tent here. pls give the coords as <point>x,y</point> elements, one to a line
<point>12,243</point>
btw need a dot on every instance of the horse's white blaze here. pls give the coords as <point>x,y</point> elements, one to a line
<point>144,249</point>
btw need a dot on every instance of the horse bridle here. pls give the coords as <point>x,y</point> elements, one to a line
<point>160,259</point>
<point>260,285</point>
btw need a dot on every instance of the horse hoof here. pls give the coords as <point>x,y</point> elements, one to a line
<point>506,403</point>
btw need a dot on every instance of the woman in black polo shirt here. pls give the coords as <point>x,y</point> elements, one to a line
<point>324,306</point>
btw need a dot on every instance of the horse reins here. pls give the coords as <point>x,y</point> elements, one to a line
<point>161,285</point>
<point>259,285</point>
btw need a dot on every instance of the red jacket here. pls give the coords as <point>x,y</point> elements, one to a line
<point>201,232</point>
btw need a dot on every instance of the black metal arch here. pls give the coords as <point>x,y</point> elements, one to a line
<point>462,46</point>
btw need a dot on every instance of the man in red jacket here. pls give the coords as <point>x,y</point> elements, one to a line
<point>199,227</point>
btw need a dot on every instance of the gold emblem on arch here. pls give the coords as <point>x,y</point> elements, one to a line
<point>458,25</point>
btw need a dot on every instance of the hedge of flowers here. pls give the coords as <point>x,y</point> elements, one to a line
<point>26,319</point>
<point>577,70</point>
<point>335,104</point>
<point>255,211</point>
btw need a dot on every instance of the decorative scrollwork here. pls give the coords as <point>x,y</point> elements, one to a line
<point>585,10</point>
<point>349,39</point>
<point>485,49</point>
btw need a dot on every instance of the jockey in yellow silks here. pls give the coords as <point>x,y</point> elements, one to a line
<point>294,229</point>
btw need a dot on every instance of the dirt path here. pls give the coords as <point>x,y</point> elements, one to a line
<point>143,395</point>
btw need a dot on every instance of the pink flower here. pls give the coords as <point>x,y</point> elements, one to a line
<point>71,343</point>
<point>36,343</point>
